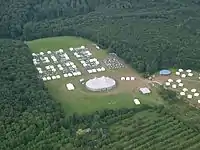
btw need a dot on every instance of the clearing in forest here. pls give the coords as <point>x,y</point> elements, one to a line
<point>81,100</point>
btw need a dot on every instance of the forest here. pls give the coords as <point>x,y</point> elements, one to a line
<point>149,35</point>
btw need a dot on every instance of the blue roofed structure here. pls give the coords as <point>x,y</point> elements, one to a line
<point>165,72</point>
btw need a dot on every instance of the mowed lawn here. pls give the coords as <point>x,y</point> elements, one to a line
<point>81,100</point>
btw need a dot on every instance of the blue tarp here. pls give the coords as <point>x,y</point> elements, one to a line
<point>165,72</point>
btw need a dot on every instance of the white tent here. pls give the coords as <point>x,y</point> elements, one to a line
<point>33,54</point>
<point>71,49</point>
<point>193,90</point>
<point>46,58</point>
<point>67,64</point>
<point>196,94</point>
<point>70,75</point>
<point>60,50</point>
<point>183,75</point>
<point>89,71</point>
<point>127,78</point>
<point>185,89</point>
<point>199,78</point>
<point>82,47</point>
<point>188,71</point>
<point>170,80</point>
<point>48,52</point>
<point>53,77</point>
<point>122,78</point>
<point>74,73</point>
<point>190,74</point>
<point>94,70</point>
<point>59,65</point>
<point>132,78</point>
<point>70,86</point>
<point>182,93</point>
<point>198,101</point>
<point>41,53</point>
<point>180,84</point>
<point>58,76</point>
<point>47,67</point>
<point>136,101</point>
<point>65,75</point>
<point>145,90</point>
<point>54,70</point>
<point>40,71</point>
<point>71,63</point>
<point>84,65</point>
<point>178,80</point>
<point>178,73</point>
<point>189,96</point>
<point>44,79</point>
<point>167,83</point>
<point>61,68</point>
<point>48,78</point>
<point>174,86</point>
<point>99,69</point>
<point>52,67</point>
<point>82,61</point>
<point>180,70</point>
<point>103,69</point>
<point>78,73</point>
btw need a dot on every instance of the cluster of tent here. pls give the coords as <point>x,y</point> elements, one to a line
<point>174,84</point>
<point>113,62</point>
<point>96,70</point>
<point>185,92</point>
<point>184,74</point>
<point>83,54</point>
<point>93,62</point>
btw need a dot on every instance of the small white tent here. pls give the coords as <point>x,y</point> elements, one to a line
<point>70,86</point>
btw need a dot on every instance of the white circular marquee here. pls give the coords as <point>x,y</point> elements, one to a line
<point>100,84</point>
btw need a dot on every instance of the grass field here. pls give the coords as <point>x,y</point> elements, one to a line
<point>82,101</point>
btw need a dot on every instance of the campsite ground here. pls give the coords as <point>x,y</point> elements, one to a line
<point>83,101</point>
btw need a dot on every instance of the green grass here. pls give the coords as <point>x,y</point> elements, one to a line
<point>80,100</point>
<point>55,43</point>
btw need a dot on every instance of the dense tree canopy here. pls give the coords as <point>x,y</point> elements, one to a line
<point>149,35</point>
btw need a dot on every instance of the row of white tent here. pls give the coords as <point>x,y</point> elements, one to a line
<point>58,76</point>
<point>78,73</point>
<point>96,70</point>
<point>78,48</point>
<point>48,52</point>
<point>51,78</point>
<point>87,53</point>
<point>188,70</point>
<point>127,78</point>
<point>184,75</point>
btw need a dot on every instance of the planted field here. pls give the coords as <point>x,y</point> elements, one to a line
<point>81,100</point>
<point>139,130</point>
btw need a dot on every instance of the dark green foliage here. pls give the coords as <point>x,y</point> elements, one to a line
<point>27,113</point>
